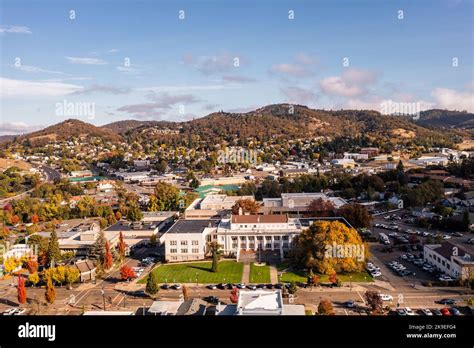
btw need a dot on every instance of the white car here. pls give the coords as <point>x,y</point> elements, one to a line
<point>20,311</point>
<point>446,237</point>
<point>409,311</point>
<point>376,274</point>
<point>386,297</point>
<point>426,311</point>
<point>10,311</point>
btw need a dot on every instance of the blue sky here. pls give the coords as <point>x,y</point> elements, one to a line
<point>186,68</point>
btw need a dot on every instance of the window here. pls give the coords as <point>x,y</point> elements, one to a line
<point>285,237</point>
<point>174,257</point>
<point>276,238</point>
<point>234,245</point>
<point>268,238</point>
<point>195,251</point>
<point>234,238</point>
<point>184,242</point>
<point>184,251</point>
<point>173,251</point>
<point>242,238</point>
<point>259,237</point>
<point>268,245</point>
<point>195,242</point>
<point>173,242</point>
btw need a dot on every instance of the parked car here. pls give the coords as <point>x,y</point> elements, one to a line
<point>211,299</point>
<point>212,287</point>
<point>241,286</point>
<point>165,286</point>
<point>426,311</point>
<point>251,287</point>
<point>436,312</point>
<point>350,304</point>
<point>386,297</point>
<point>445,311</point>
<point>454,311</point>
<point>176,287</point>
<point>409,311</point>
<point>447,301</point>
<point>401,312</point>
<point>9,311</point>
<point>20,311</point>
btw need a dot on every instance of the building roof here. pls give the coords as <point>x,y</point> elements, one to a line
<point>445,249</point>
<point>84,265</point>
<point>192,226</point>
<point>262,219</point>
<point>193,306</point>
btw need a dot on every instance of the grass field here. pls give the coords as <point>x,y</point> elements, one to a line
<point>228,272</point>
<point>290,275</point>
<point>259,274</point>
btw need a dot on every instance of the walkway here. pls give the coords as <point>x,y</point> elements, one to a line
<point>246,273</point>
<point>273,274</point>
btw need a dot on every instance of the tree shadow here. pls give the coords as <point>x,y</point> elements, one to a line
<point>209,270</point>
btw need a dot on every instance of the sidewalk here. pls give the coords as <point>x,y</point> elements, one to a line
<point>246,273</point>
<point>273,274</point>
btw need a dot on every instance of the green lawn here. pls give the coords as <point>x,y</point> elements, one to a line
<point>259,274</point>
<point>228,272</point>
<point>290,275</point>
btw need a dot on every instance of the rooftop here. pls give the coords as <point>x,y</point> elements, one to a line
<point>192,226</point>
<point>262,219</point>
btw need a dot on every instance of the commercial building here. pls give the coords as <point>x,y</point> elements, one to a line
<point>260,302</point>
<point>450,259</point>
<point>296,204</point>
<point>212,206</point>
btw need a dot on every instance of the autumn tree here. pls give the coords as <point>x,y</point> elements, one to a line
<point>333,278</point>
<point>34,278</point>
<point>72,275</point>
<point>248,206</point>
<point>374,301</point>
<point>356,214</point>
<point>59,274</point>
<point>185,292</point>
<point>34,219</point>
<point>21,290</point>
<point>53,253</point>
<point>121,246</point>
<point>32,266</point>
<point>108,259</point>
<point>325,307</point>
<point>50,294</point>
<point>127,273</point>
<point>321,207</point>
<point>234,295</point>
<point>167,196</point>
<point>327,247</point>
<point>152,284</point>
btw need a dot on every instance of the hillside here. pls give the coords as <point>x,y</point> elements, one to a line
<point>446,118</point>
<point>67,130</point>
<point>277,121</point>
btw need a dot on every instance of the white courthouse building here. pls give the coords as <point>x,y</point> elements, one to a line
<point>450,259</point>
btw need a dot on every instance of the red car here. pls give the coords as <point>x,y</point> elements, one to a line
<point>445,311</point>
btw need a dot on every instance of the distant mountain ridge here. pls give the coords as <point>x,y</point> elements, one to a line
<point>277,120</point>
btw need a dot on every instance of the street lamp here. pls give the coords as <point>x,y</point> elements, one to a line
<point>102,292</point>
<point>414,279</point>
<point>350,277</point>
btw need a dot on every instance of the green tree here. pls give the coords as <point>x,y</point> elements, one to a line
<point>53,253</point>
<point>167,196</point>
<point>97,250</point>
<point>134,213</point>
<point>72,275</point>
<point>215,250</point>
<point>152,284</point>
<point>356,214</point>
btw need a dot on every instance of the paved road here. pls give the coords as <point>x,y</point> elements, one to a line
<point>51,174</point>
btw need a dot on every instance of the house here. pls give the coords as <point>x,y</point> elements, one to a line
<point>260,302</point>
<point>451,259</point>
<point>430,160</point>
<point>343,163</point>
<point>370,151</point>
<point>86,269</point>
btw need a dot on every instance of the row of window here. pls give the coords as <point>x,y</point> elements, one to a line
<point>184,242</point>
<point>259,238</point>
<point>184,251</point>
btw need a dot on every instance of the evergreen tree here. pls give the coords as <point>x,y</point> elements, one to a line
<point>152,284</point>
<point>97,251</point>
<point>53,253</point>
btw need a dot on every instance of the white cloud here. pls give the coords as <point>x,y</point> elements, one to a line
<point>34,69</point>
<point>14,29</point>
<point>289,69</point>
<point>24,88</point>
<point>13,128</point>
<point>454,100</point>
<point>86,61</point>
<point>351,83</point>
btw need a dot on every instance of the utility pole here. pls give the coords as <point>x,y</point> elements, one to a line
<point>103,296</point>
